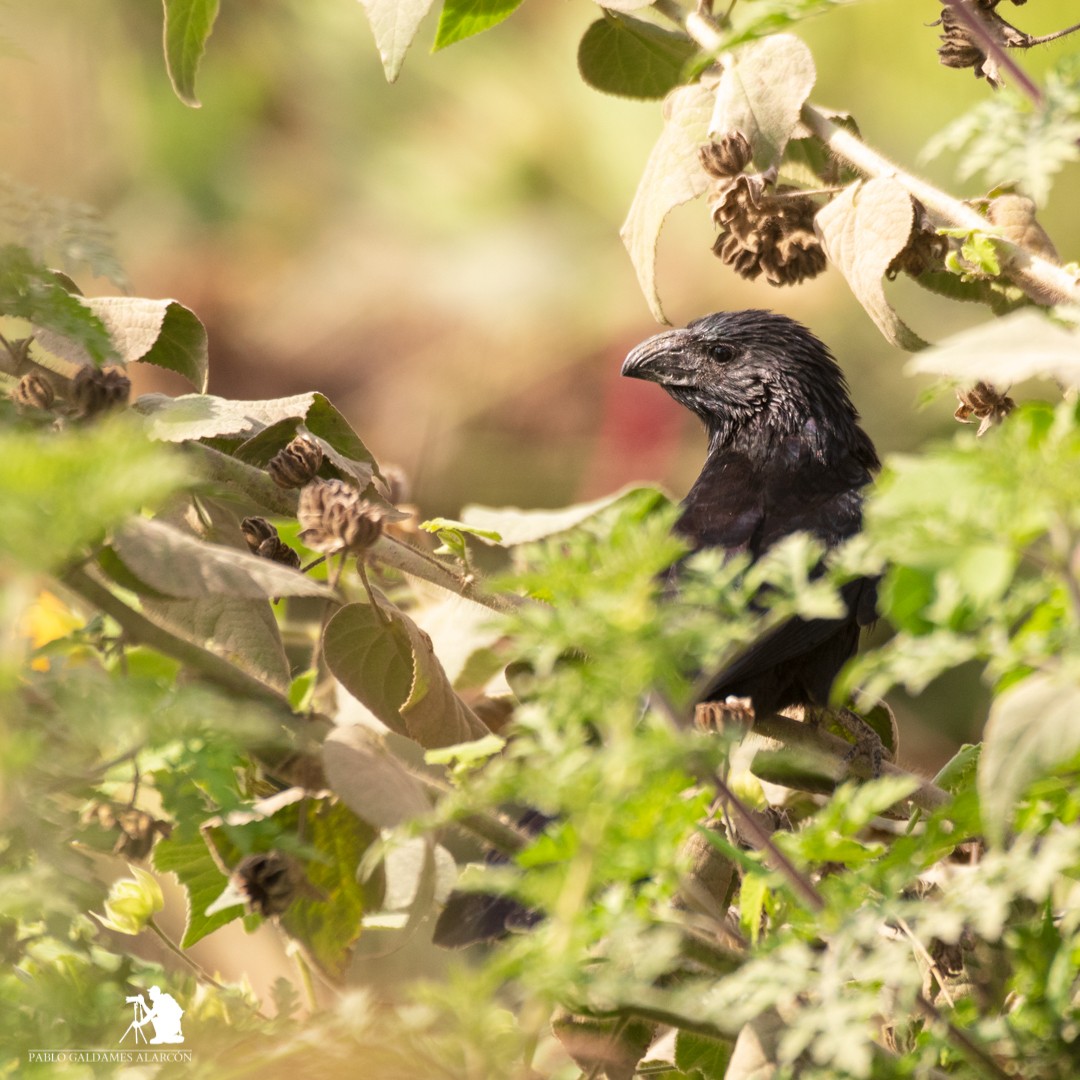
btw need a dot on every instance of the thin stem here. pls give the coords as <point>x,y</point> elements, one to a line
<point>410,560</point>
<point>199,970</point>
<point>1045,39</point>
<point>961,1038</point>
<point>763,842</point>
<point>306,981</point>
<point>377,607</point>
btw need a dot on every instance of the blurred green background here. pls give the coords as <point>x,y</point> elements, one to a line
<point>441,256</point>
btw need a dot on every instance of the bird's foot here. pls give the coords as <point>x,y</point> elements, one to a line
<point>715,716</point>
<point>866,742</point>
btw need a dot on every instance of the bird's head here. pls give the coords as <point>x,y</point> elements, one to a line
<point>745,373</point>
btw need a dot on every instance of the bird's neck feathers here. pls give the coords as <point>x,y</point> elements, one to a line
<point>793,427</point>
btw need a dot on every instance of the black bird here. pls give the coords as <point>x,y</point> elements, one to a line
<point>786,454</point>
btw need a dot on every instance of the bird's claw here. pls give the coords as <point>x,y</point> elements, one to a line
<point>715,716</point>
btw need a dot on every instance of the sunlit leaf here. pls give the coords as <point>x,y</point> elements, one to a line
<point>188,24</point>
<point>1033,727</point>
<point>761,92</point>
<point>394,24</point>
<point>863,229</point>
<point>461,19</point>
<point>1006,351</point>
<point>673,175</point>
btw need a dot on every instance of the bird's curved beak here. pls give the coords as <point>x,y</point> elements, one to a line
<point>656,358</point>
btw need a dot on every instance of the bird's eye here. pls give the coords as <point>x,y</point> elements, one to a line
<point>721,352</point>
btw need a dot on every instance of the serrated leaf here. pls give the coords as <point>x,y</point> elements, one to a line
<point>182,565</point>
<point>462,19</point>
<point>394,24</point>
<point>188,24</point>
<point>863,229</point>
<point>524,526</point>
<point>391,668</point>
<point>762,90</point>
<point>189,858</point>
<point>326,912</point>
<point>370,781</point>
<point>1006,351</point>
<point>632,58</point>
<point>63,489</point>
<point>673,175</point>
<point>31,292</point>
<point>1033,727</point>
<point>700,1056</point>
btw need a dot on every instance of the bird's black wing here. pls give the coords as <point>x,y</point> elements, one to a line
<point>744,508</point>
<point>792,643</point>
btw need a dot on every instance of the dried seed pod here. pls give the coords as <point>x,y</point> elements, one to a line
<point>94,389</point>
<point>985,403</point>
<point>34,391</point>
<point>925,249</point>
<point>961,49</point>
<point>296,464</point>
<point>765,231</point>
<point>256,530</point>
<point>136,830</point>
<point>268,882</point>
<point>275,549</point>
<point>263,540</point>
<point>958,48</point>
<point>333,517</point>
<point>727,156</point>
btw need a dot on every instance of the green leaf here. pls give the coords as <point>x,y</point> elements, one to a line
<point>188,24</point>
<point>244,632</point>
<point>461,19</point>
<point>1020,346</point>
<point>1033,728</point>
<point>186,855</point>
<point>328,905</point>
<point>159,332</point>
<point>61,490</point>
<point>632,58</point>
<point>513,526</point>
<point>302,690</point>
<point>204,416</point>
<point>698,1055</point>
<point>673,175</point>
<point>394,24</point>
<point>31,292</point>
<point>387,662</point>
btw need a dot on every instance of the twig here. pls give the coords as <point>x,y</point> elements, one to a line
<point>800,735</point>
<point>410,560</point>
<point>1039,277</point>
<point>960,1037</point>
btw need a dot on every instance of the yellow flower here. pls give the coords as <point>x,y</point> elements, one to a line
<point>132,903</point>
